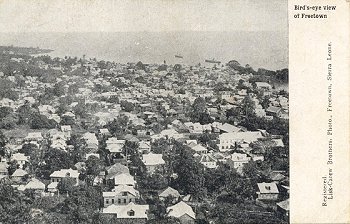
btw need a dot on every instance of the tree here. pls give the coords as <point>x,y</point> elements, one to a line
<point>155,181</point>
<point>127,106</point>
<point>24,114</point>
<point>66,185</point>
<point>14,208</point>
<point>199,112</point>
<point>28,148</point>
<point>82,204</point>
<point>9,122</point>
<point>228,213</point>
<point>93,165</point>
<point>190,178</point>
<point>39,121</point>
<point>3,141</point>
<point>247,106</point>
<point>4,111</point>
<point>118,126</point>
<point>13,166</point>
<point>54,159</point>
<point>240,84</point>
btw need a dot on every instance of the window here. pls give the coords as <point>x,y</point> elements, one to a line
<point>107,201</point>
<point>131,213</point>
<point>119,201</point>
<point>124,201</point>
<point>130,200</point>
<point>112,201</point>
<point>125,193</point>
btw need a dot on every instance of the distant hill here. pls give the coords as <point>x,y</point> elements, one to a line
<point>23,50</point>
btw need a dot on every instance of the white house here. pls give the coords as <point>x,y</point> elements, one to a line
<point>183,212</point>
<point>226,140</point>
<point>267,191</point>
<point>153,162</point>
<point>58,175</point>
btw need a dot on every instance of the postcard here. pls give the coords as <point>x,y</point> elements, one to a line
<point>158,111</point>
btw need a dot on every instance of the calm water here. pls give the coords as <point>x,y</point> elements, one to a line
<point>259,49</point>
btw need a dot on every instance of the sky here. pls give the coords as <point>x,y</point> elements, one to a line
<point>142,15</point>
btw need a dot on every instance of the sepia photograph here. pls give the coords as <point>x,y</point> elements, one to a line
<point>154,112</point>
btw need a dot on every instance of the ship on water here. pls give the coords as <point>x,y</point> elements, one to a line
<point>212,61</point>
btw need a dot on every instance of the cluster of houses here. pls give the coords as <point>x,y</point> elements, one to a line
<point>155,96</point>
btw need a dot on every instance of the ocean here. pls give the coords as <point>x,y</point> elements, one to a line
<point>267,50</point>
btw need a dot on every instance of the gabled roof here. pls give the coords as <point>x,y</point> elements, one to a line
<point>229,128</point>
<point>198,148</point>
<point>284,204</point>
<point>238,157</point>
<point>152,159</point>
<point>169,192</point>
<point>19,157</point>
<point>124,179</point>
<point>115,147</point>
<point>116,169</point>
<point>181,209</point>
<point>65,173</point>
<point>273,109</point>
<point>206,158</point>
<point>122,188</point>
<point>19,173</point>
<point>124,211</point>
<point>52,185</point>
<point>66,128</point>
<point>35,184</point>
<point>268,188</point>
<point>247,136</point>
<point>34,135</point>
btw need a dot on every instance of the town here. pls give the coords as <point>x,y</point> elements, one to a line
<point>84,140</point>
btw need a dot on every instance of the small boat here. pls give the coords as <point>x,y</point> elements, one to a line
<point>212,61</point>
<point>178,56</point>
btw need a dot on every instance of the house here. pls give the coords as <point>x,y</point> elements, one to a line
<point>208,161</point>
<point>34,136</point>
<point>226,140</point>
<point>91,141</point>
<point>277,176</point>
<point>20,158</point>
<point>59,144</point>
<point>228,128</point>
<point>57,176</point>
<point>120,195</point>
<point>183,212</point>
<point>124,179</point>
<point>18,175</point>
<point>3,168</point>
<point>144,147</point>
<point>237,161</point>
<point>283,209</point>
<point>199,149</point>
<point>153,162</point>
<point>104,132</point>
<point>273,111</point>
<point>116,169</point>
<point>263,85</point>
<point>35,185</point>
<point>169,192</point>
<point>115,145</point>
<point>66,129</point>
<point>52,188</point>
<point>267,191</point>
<point>92,154</point>
<point>128,213</point>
